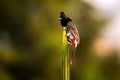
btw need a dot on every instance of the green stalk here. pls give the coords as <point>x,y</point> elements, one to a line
<point>65,58</point>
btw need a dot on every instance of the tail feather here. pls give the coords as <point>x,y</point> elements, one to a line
<point>72,54</point>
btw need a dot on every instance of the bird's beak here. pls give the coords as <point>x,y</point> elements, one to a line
<point>59,18</point>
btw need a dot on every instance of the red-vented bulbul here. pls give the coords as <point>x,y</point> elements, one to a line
<point>71,31</point>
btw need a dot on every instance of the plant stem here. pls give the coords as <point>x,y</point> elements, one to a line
<point>65,58</point>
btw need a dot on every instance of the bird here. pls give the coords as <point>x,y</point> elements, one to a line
<point>72,33</point>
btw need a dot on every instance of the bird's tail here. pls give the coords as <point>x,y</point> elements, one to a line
<point>72,54</point>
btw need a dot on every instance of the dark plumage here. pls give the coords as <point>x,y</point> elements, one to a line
<point>64,19</point>
<point>71,31</point>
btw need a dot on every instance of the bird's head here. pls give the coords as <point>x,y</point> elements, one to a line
<point>64,19</point>
<point>62,15</point>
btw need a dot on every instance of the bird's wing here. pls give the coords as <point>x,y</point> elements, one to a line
<point>72,27</point>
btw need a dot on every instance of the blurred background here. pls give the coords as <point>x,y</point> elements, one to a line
<point>31,39</point>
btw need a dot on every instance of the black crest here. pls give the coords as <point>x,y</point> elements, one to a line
<point>64,19</point>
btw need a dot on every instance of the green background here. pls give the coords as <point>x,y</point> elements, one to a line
<point>31,41</point>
